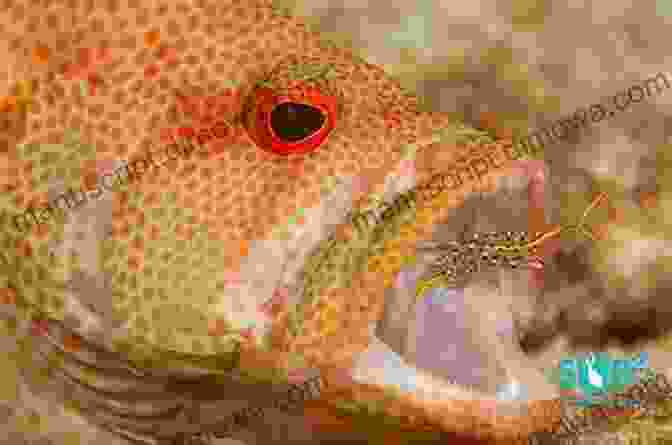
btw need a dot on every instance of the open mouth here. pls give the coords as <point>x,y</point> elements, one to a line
<point>431,343</point>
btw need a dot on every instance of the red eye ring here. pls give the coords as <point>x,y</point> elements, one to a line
<point>264,100</point>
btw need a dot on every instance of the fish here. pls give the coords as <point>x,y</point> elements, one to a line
<point>193,238</point>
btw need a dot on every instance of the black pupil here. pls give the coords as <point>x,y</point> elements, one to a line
<point>293,122</point>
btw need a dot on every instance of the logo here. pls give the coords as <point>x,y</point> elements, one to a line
<point>588,380</point>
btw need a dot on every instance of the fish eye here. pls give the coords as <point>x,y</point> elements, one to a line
<point>293,122</point>
<point>293,110</point>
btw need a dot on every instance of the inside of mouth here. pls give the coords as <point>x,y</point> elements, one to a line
<point>438,334</point>
<point>448,337</point>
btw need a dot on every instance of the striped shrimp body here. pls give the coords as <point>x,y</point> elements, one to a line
<point>460,259</point>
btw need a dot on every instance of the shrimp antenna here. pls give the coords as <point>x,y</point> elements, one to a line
<point>581,226</point>
<point>578,227</point>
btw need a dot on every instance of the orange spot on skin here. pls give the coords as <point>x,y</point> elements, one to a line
<point>190,105</point>
<point>392,119</point>
<point>93,82</point>
<point>217,327</point>
<point>151,71</point>
<point>295,169</point>
<point>154,233</point>
<point>85,57</point>
<point>647,200</point>
<point>218,148</point>
<point>41,54</point>
<point>137,244</point>
<point>344,232</point>
<point>72,71</point>
<point>25,250</point>
<point>487,120</point>
<point>167,54</point>
<point>244,248</point>
<point>616,215</point>
<point>72,343</point>
<point>220,104</point>
<point>504,133</point>
<point>211,103</point>
<point>133,263</point>
<point>601,231</point>
<point>152,38</point>
<point>8,296</point>
<point>7,103</point>
<point>42,231</point>
<point>167,135</point>
<point>89,180</point>
<point>19,200</point>
<point>102,55</point>
<point>186,132</point>
<point>13,102</point>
